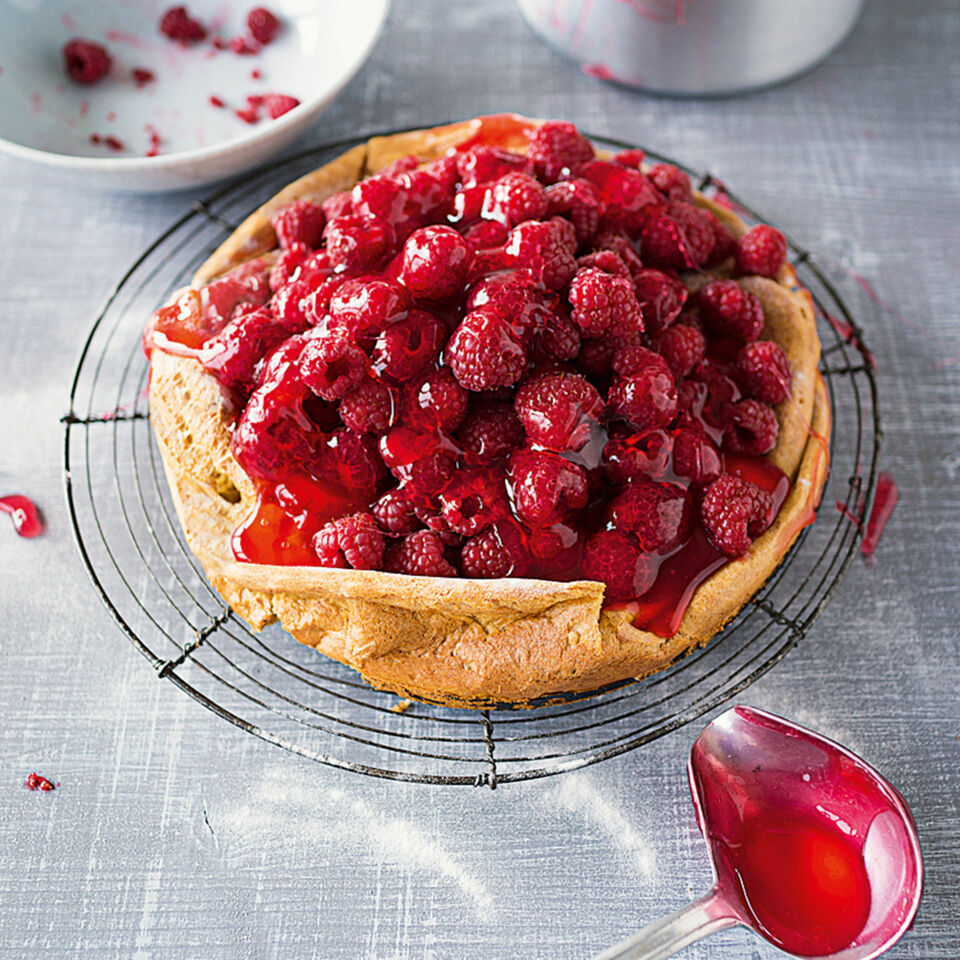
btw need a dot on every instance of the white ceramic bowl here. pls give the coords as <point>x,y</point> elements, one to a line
<point>47,118</point>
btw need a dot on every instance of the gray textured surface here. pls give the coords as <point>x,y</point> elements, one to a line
<point>174,835</point>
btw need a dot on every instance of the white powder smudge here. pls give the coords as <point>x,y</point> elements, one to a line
<point>577,794</point>
<point>288,812</point>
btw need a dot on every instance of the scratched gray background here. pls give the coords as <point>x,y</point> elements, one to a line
<point>175,835</point>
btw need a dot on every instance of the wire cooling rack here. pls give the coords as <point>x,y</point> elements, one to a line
<point>289,695</point>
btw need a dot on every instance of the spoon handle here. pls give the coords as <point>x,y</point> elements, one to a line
<point>665,937</point>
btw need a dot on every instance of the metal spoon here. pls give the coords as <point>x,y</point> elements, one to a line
<point>812,848</point>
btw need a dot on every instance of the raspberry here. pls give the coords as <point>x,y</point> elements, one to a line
<point>437,397</point>
<point>483,353</point>
<point>735,512</point>
<point>605,260</point>
<point>627,194</point>
<point>762,250</point>
<point>369,408</point>
<point>490,555</point>
<point>442,172</point>
<point>557,148</point>
<point>353,463</point>
<point>364,307</point>
<point>676,235</point>
<point>724,243</point>
<point>491,431</point>
<point>560,339</point>
<point>353,540</point>
<point>546,249</point>
<point>263,25</point>
<point>473,499</point>
<point>595,357</point>
<point>339,205</point>
<point>408,345</point>
<point>619,243</point>
<point>277,104</point>
<point>646,399</point>
<point>402,164</point>
<point>602,302</point>
<point>357,243</point>
<point>418,456</point>
<point>435,261</point>
<point>659,515</point>
<point>177,24</point>
<point>419,554</point>
<point>661,298</point>
<point>299,222</point>
<point>332,366</point>
<point>287,264</point>
<point>516,297</point>
<point>483,164</point>
<point>580,200</point>
<point>86,62</point>
<point>673,183</point>
<point>694,454</point>
<point>560,411</point>
<point>267,439</point>
<point>468,205</point>
<point>630,158</point>
<point>764,371</point>
<point>751,428</point>
<point>632,357</point>
<point>683,347</point>
<point>315,300</point>
<point>613,558</point>
<point>514,198</point>
<point>547,489</point>
<point>729,309</point>
<point>233,353</point>
<point>721,391</point>
<point>485,234</point>
<point>394,513</point>
<point>628,456</point>
<point>142,76</point>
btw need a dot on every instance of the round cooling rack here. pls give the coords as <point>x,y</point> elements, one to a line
<point>271,686</point>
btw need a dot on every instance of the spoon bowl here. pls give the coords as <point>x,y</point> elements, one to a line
<point>812,848</point>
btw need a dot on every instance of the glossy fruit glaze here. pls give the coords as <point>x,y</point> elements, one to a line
<point>315,471</point>
<point>24,514</point>
<point>803,836</point>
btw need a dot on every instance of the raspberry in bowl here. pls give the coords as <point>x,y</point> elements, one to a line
<point>505,418</point>
<point>152,97</point>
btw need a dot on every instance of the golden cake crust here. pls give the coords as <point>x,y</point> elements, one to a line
<point>449,640</point>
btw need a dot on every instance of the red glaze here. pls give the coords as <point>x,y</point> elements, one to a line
<point>292,507</point>
<point>24,513</point>
<point>884,502</point>
<point>811,847</point>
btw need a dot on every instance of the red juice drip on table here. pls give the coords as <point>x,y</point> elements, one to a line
<point>884,502</point>
<point>24,513</point>
<point>37,782</point>
<point>848,333</point>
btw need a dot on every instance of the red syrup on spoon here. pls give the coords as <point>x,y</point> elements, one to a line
<point>811,847</point>
<point>24,513</point>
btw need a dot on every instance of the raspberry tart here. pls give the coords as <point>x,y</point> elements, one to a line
<point>489,416</point>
